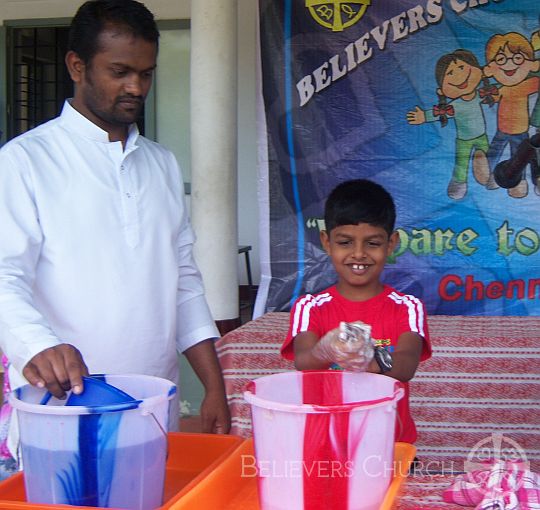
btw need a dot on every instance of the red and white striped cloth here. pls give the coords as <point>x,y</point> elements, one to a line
<point>479,390</point>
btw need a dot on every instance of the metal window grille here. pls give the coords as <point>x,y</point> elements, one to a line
<point>38,81</point>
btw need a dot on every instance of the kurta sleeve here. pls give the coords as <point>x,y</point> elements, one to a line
<point>24,332</point>
<point>194,319</point>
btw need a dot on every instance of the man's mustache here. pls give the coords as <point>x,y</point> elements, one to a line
<point>130,99</point>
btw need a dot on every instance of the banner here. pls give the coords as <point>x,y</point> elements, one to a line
<point>437,100</point>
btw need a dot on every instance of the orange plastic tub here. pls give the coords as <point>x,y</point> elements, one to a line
<point>232,486</point>
<point>191,458</point>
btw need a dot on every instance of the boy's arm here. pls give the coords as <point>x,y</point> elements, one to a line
<point>405,358</point>
<point>303,352</point>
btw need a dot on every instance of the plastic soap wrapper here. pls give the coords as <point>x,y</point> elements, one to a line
<point>355,332</point>
<point>359,334</point>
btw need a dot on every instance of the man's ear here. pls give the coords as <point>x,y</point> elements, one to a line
<point>75,66</point>
<point>536,65</point>
<point>325,241</point>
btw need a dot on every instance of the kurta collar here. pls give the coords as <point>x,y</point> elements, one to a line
<point>78,123</point>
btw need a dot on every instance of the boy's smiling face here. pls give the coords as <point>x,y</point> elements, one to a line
<point>460,79</point>
<point>358,254</point>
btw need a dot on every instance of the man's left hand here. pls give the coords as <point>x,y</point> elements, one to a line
<point>215,415</point>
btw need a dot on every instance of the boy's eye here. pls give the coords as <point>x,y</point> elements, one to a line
<point>119,72</point>
<point>343,243</point>
<point>374,243</point>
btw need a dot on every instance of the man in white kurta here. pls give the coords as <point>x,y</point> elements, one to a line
<point>96,266</point>
<point>96,251</point>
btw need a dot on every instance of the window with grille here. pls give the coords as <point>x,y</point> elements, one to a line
<point>38,81</point>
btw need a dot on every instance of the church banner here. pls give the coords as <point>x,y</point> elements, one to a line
<point>437,100</point>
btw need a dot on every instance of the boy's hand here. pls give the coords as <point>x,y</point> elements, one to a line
<point>351,351</point>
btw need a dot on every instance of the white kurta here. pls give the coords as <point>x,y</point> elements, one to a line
<point>96,251</point>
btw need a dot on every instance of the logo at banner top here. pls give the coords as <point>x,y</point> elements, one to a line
<point>337,14</point>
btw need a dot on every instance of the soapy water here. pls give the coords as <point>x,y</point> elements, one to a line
<point>134,477</point>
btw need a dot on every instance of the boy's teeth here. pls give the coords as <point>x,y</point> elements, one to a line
<point>358,266</point>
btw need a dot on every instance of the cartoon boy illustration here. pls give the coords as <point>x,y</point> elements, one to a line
<point>535,115</point>
<point>458,74</point>
<point>510,59</point>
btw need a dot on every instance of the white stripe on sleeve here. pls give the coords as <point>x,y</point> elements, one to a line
<point>415,311</point>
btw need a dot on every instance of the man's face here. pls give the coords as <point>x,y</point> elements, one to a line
<point>460,79</point>
<point>111,89</point>
<point>510,68</point>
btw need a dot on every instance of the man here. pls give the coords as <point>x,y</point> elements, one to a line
<point>96,266</point>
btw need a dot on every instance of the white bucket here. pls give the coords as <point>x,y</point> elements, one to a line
<point>324,440</point>
<point>106,456</point>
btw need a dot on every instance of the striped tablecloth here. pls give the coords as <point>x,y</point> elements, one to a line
<point>478,395</point>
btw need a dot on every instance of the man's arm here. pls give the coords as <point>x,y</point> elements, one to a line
<point>196,330</point>
<point>27,339</point>
<point>215,416</point>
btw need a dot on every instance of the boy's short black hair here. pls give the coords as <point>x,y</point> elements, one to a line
<point>94,16</point>
<point>359,201</point>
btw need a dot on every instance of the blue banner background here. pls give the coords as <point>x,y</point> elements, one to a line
<point>356,126</point>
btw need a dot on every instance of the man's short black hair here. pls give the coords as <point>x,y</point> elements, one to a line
<point>360,201</point>
<point>94,16</point>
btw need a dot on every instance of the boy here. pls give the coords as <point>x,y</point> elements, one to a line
<point>510,61</point>
<point>359,220</point>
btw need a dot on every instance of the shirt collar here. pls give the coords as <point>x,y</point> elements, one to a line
<point>75,121</point>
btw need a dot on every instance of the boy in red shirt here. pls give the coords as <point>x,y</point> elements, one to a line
<point>359,237</point>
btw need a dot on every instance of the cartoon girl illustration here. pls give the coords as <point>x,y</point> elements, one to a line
<point>458,75</point>
<point>510,60</point>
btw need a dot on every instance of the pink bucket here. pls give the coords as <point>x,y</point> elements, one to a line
<point>324,440</point>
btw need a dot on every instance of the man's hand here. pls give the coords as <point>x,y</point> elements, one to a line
<point>215,415</point>
<point>59,369</point>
